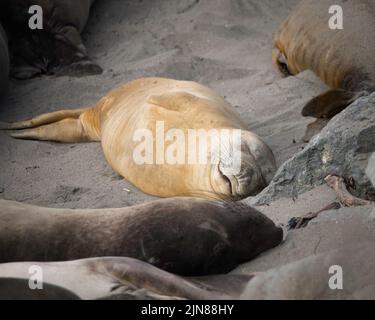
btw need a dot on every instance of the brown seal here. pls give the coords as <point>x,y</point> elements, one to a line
<point>55,49</point>
<point>342,58</point>
<point>186,236</point>
<point>114,278</point>
<point>182,107</point>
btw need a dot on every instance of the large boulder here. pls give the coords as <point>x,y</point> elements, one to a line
<point>371,169</point>
<point>318,276</point>
<point>4,62</point>
<point>343,148</point>
<point>300,268</point>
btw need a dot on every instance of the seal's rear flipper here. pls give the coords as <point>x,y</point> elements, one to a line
<point>67,130</point>
<point>328,104</point>
<point>46,118</point>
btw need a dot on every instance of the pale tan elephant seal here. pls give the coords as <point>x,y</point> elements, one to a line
<point>342,58</point>
<point>186,236</point>
<point>179,107</point>
<point>57,48</point>
<point>114,278</point>
<point>4,62</point>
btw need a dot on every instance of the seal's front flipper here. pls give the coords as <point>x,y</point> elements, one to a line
<point>46,118</point>
<point>80,69</point>
<point>67,130</point>
<point>328,104</point>
<point>175,101</point>
<point>24,72</point>
<point>71,54</point>
<point>314,128</point>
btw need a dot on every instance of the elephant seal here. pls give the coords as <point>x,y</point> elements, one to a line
<point>4,62</point>
<point>55,49</point>
<point>18,289</point>
<point>342,58</point>
<point>186,236</point>
<point>180,108</point>
<point>112,278</point>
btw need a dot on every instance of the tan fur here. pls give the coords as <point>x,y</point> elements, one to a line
<point>343,59</point>
<point>181,105</point>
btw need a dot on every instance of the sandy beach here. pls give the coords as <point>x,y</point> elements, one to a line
<point>224,44</point>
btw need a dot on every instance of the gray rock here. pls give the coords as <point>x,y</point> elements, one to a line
<point>315,277</point>
<point>371,169</point>
<point>299,268</point>
<point>331,230</point>
<point>343,148</point>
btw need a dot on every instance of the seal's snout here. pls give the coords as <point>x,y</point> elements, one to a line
<point>251,172</point>
<point>281,62</point>
<point>247,182</point>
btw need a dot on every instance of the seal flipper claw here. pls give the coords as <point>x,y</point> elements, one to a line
<point>329,103</point>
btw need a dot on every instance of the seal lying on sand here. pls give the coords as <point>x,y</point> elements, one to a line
<point>186,236</point>
<point>18,289</point>
<point>181,107</point>
<point>343,59</point>
<point>4,62</point>
<point>55,49</point>
<point>115,278</point>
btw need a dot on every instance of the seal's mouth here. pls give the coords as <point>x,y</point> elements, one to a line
<point>281,62</point>
<point>231,181</point>
<point>247,183</point>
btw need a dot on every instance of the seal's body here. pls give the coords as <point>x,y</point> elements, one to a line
<point>145,104</point>
<point>4,62</point>
<point>114,278</point>
<point>186,236</point>
<point>55,49</point>
<point>342,58</point>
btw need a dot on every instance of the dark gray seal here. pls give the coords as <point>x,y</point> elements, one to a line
<point>186,236</point>
<point>55,49</point>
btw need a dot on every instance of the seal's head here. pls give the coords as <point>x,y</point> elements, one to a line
<point>244,167</point>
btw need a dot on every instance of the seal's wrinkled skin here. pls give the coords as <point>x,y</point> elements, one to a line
<point>183,105</point>
<point>343,59</point>
<point>186,236</point>
<point>4,62</point>
<point>57,48</point>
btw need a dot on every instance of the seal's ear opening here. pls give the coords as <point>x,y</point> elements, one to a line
<point>329,103</point>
